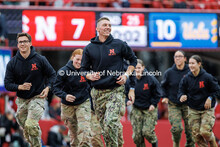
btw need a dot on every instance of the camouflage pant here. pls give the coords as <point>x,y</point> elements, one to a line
<point>96,131</point>
<point>202,123</point>
<point>28,114</point>
<point>77,119</point>
<point>143,124</point>
<point>109,106</point>
<point>175,114</point>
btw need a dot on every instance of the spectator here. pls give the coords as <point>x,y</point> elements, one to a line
<point>157,4</point>
<point>125,3</point>
<point>55,109</point>
<point>56,136</point>
<point>8,122</point>
<point>180,4</point>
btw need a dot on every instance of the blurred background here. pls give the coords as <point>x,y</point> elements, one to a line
<point>154,29</point>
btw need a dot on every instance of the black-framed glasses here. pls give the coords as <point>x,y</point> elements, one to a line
<point>178,56</point>
<point>24,41</point>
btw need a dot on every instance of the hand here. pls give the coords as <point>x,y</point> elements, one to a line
<point>208,104</point>
<point>94,76</point>
<point>25,86</point>
<point>129,103</point>
<point>183,98</point>
<point>165,100</point>
<point>44,93</point>
<point>131,96</point>
<point>122,80</point>
<point>151,108</point>
<point>70,98</point>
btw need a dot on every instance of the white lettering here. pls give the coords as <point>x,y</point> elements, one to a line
<point>25,21</point>
<point>80,25</point>
<point>45,28</point>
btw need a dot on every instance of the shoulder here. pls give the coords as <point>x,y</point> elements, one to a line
<point>12,61</point>
<point>64,68</point>
<point>187,76</point>
<point>40,56</point>
<point>208,76</point>
<point>153,79</point>
<point>168,71</point>
<point>119,41</point>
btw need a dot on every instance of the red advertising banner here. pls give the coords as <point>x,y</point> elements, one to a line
<point>59,28</point>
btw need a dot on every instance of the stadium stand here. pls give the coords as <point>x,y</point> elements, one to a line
<point>197,4</point>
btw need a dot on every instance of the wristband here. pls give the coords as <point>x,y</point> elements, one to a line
<point>132,88</point>
<point>127,75</point>
<point>210,97</point>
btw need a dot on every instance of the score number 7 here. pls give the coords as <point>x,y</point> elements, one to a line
<point>80,23</point>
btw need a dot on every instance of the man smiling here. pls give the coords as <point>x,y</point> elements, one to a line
<point>31,76</point>
<point>105,54</point>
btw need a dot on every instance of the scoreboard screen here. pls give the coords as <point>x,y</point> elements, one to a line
<point>59,28</point>
<point>182,30</point>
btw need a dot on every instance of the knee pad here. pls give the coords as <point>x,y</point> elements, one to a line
<point>32,127</point>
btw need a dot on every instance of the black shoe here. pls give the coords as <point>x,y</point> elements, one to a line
<point>155,144</point>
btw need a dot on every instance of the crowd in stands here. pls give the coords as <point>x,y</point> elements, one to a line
<point>190,4</point>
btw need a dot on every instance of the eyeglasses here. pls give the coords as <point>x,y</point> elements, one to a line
<point>178,56</point>
<point>24,41</point>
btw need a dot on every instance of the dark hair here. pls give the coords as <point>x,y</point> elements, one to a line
<point>197,58</point>
<point>24,34</point>
<point>140,62</point>
<point>102,18</point>
<point>184,54</point>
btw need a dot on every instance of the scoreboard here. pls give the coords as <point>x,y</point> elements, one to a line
<point>141,29</point>
<point>129,27</point>
<point>59,28</point>
<point>182,30</point>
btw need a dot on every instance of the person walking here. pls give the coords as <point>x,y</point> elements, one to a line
<point>176,110</point>
<point>199,89</point>
<point>31,76</point>
<point>104,57</point>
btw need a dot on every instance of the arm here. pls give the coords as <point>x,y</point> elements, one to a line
<point>51,74</point>
<point>128,54</point>
<point>86,63</point>
<point>131,93</point>
<point>58,86</point>
<point>85,66</point>
<point>9,80</point>
<point>182,93</point>
<point>214,89</point>
<point>157,92</point>
<point>164,87</point>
